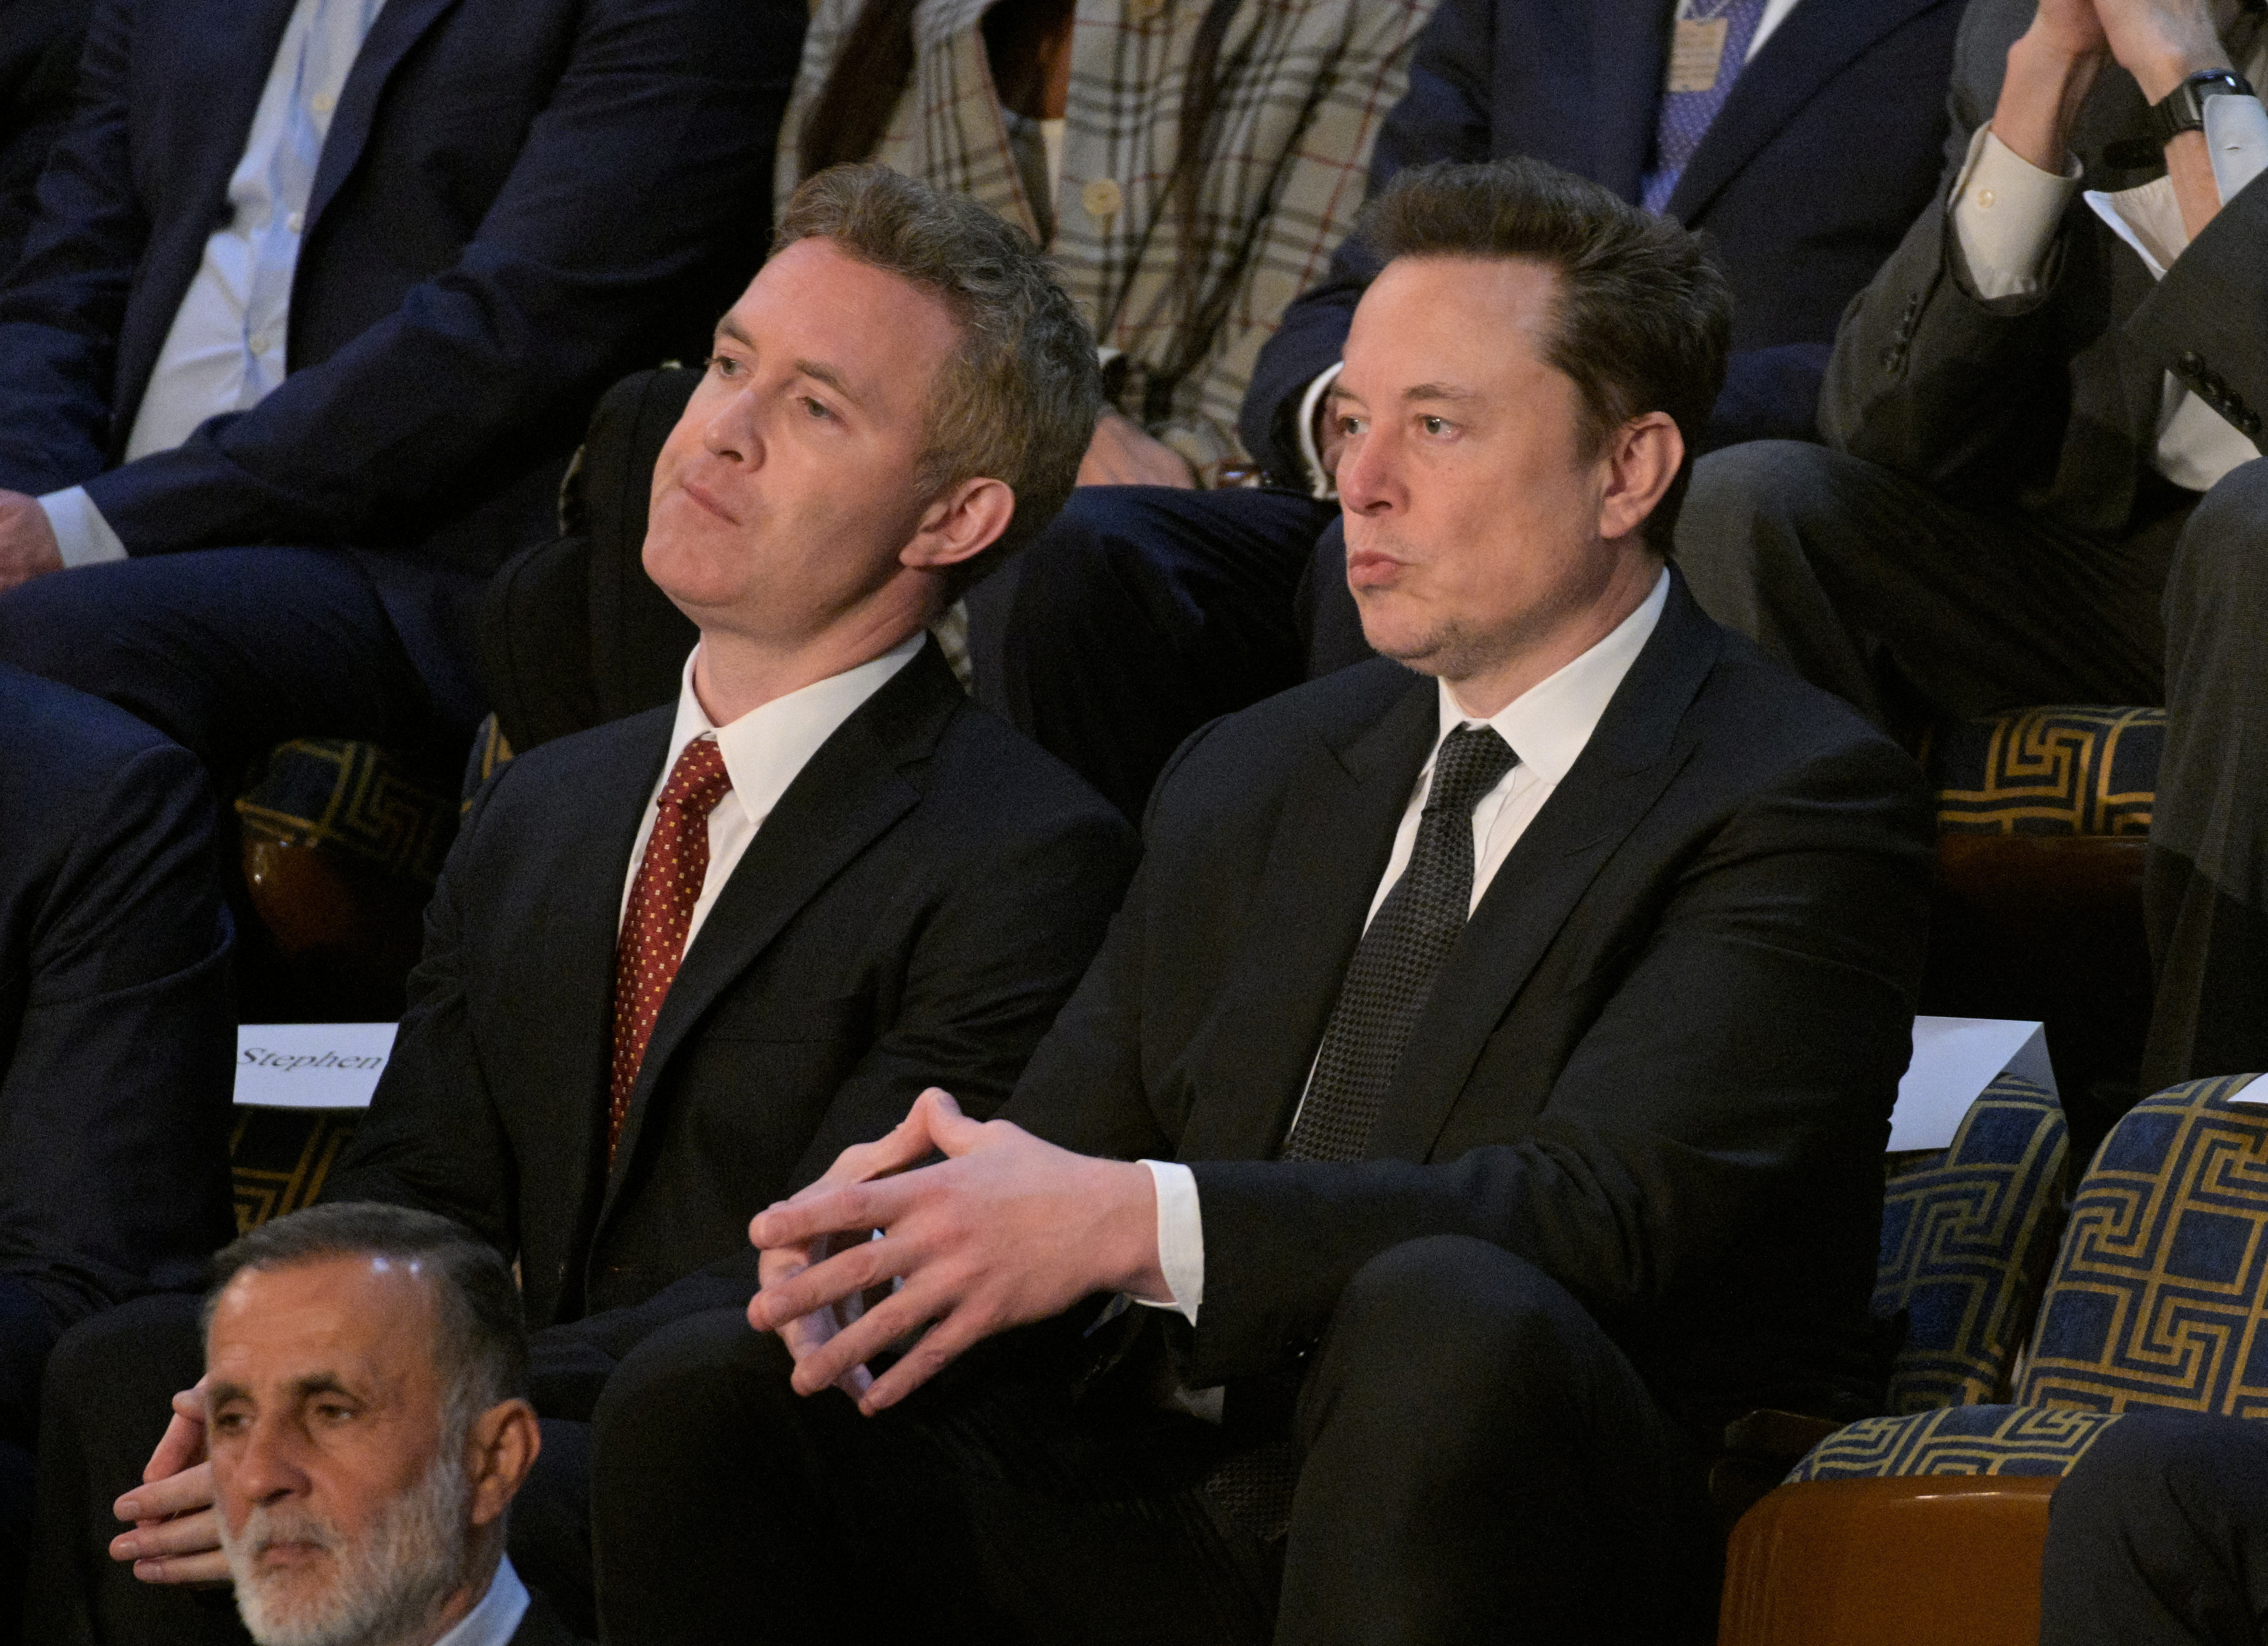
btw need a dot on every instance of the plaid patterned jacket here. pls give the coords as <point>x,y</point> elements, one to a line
<point>1304,86</point>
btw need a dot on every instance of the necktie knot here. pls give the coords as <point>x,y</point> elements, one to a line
<point>1471,761</point>
<point>699,779</point>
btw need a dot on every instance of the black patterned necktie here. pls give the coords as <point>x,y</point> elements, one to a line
<point>1392,975</point>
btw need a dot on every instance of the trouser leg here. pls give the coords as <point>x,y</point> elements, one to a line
<point>1483,1463</point>
<point>1141,612</point>
<point>725,1506</point>
<point>2161,1535</point>
<point>1871,586</point>
<point>2205,895</point>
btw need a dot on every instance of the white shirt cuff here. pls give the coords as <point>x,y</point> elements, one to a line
<point>1180,1238</point>
<point>2236,132</point>
<point>2004,212</point>
<point>1323,485</point>
<point>81,535</point>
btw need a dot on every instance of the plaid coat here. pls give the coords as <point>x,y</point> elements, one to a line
<point>1303,87</point>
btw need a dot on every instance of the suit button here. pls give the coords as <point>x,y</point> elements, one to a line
<point>1102,197</point>
<point>2189,361</point>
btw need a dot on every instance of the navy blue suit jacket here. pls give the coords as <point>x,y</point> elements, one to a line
<point>519,201</point>
<point>1826,149</point>
<point>116,1037</point>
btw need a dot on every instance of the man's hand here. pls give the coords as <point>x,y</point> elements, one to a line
<point>1005,1231</point>
<point>2160,42</point>
<point>27,542</point>
<point>176,1536</point>
<point>1122,454</point>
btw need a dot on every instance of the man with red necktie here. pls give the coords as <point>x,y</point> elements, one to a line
<point>678,962</point>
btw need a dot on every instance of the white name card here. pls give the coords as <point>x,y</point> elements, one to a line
<point>311,1065</point>
<point>1954,1060</point>
<point>2253,1091</point>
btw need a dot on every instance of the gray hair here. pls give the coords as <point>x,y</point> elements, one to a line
<point>480,1347</point>
<point>1018,399</point>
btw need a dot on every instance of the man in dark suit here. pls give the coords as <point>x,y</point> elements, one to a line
<point>115,1042</point>
<point>1485,1226</point>
<point>2042,481</point>
<point>1799,137</point>
<point>318,301</point>
<point>367,1370</point>
<point>866,879</point>
<point>38,60</point>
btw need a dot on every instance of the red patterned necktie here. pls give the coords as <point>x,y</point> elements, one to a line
<point>660,910</point>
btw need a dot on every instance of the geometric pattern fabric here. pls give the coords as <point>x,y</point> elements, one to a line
<point>354,799</point>
<point>1968,1233</point>
<point>279,1158</point>
<point>1955,1440</point>
<point>2054,770</point>
<point>2160,1297</point>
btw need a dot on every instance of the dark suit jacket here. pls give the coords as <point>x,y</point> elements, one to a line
<point>518,201</point>
<point>914,911</point>
<point>39,63</point>
<point>1660,1064</point>
<point>2050,402</point>
<point>117,1041</point>
<point>1825,150</point>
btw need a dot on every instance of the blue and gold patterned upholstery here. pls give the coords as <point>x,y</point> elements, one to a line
<point>1968,1233</point>
<point>354,799</point>
<point>2054,770</point>
<point>2159,1298</point>
<point>280,1158</point>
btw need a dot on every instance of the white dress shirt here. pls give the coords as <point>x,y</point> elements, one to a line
<point>493,1621</point>
<point>1547,727</point>
<point>2004,212</point>
<point>764,750</point>
<point>1775,14</point>
<point>225,350</point>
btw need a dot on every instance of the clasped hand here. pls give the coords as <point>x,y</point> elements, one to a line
<point>176,1535</point>
<point>1004,1231</point>
<point>27,542</point>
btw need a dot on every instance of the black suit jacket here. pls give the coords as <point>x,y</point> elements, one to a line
<point>1825,147</point>
<point>38,60</point>
<point>117,1041</point>
<point>518,201</point>
<point>2050,401</point>
<point>913,912</point>
<point>1658,1064</point>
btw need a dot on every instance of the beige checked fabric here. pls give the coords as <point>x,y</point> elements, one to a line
<point>1304,86</point>
<point>654,924</point>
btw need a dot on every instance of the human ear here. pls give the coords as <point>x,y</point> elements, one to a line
<point>961,524</point>
<point>504,1444</point>
<point>1641,459</point>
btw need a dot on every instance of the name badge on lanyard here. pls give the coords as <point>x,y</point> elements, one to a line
<point>1696,52</point>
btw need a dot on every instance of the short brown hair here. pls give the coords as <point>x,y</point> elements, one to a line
<point>1644,317</point>
<point>1018,399</point>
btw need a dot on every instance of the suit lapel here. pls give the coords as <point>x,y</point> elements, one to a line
<point>1818,41</point>
<point>401,24</point>
<point>1340,813</point>
<point>1631,759</point>
<point>846,797</point>
<point>1629,45</point>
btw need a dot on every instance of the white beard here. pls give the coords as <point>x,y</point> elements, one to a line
<point>381,1588</point>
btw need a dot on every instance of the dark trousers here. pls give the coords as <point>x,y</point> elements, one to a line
<point>109,1384</point>
<point>231,651</point>
<point>27,1333</point>
<point>1872,586</point>
<point>1479,1462</point>
<point>1139,614</point>
<point>2161,1535</point>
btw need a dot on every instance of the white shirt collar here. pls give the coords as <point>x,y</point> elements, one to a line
<point>496,1618</point>
<point>765,749</point>
<point>1549,724</point>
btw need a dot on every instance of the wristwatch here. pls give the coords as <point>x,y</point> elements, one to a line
<point>2183,108</point>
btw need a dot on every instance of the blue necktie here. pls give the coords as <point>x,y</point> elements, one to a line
<point>1685,116</point>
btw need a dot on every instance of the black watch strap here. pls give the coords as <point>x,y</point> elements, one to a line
<point>2183,108</point>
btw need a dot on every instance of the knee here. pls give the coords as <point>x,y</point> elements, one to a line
<point>2153,1470</point>
<point>1781,480</point>
<point>679,1383</point>
<point>2222,561</point>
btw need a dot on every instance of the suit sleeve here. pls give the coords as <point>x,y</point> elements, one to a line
<point>1443,115</point>
<point>661,130</point>
<point>114,1093</point>
<point>2207,321</point>
<point>1694,1152</point>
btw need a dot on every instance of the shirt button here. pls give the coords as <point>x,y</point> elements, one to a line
<point>1101,198</point>
<point>324,102</point>
<point>259,341</point>
<point>295,222</point>
<point>1985,198</point>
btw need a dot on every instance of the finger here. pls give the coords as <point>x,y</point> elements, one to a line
<point>165,1539</point>
<point>183,1444</point>
<point>940,1346</point>
<point>903,1314</point>
<point>182,1493</point>
<point>852,1208</point>
<point>196,1571</point>
<point>867,1264</point>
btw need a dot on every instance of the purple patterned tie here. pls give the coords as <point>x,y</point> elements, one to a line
<point>1685,116</point>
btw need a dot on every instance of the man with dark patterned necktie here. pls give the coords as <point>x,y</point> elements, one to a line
<point>1484,1085</point>
<point>677,963</point>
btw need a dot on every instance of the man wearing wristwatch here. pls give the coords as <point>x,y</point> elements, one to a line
<point>2041,482</point>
